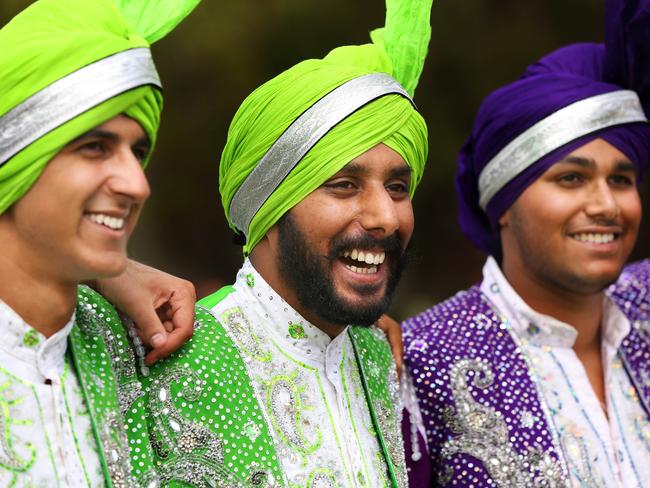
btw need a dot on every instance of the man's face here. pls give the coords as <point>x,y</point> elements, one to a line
<point>575,227</point>
<point>341,249</point>
<point>75,221</point>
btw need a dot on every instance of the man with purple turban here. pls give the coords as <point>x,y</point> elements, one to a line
<point>540,375</point>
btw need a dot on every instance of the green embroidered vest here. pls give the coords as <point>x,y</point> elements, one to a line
<point>105,365</point>
<point>196,419</point>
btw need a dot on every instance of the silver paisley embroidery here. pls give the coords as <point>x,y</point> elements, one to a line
<point>483,433</point>
<point>191,453</point>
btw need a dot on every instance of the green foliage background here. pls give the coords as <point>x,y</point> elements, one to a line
<point>226,49</point>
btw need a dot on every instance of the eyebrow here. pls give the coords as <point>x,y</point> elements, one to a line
<point>357,169</point>
<point>589,163</point>
<point>101,134</point>
<point>111,136</point>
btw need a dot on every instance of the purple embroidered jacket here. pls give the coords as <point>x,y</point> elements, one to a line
<point>474,388</point>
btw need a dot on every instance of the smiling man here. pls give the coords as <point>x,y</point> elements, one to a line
<point>80,108</point>
<point>539,375</point>
<point>286,381</point>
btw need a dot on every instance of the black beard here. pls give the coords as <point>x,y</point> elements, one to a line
<point>309,274</point>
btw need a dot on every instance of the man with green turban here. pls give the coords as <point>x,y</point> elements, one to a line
<point>276,387</point>
<point>79,111</point>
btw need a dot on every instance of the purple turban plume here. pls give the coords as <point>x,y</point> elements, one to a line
<point>569,75</point>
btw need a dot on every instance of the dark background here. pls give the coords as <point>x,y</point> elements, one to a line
<point>225,49</point>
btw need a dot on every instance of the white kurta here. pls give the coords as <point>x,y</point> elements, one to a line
<point>601,450</point>
<point>46,438</point>
<point>309,386</point>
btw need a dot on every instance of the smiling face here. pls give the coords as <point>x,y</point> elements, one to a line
<point>574,228</point>
<point>74,223</point>
<point>336,256</point>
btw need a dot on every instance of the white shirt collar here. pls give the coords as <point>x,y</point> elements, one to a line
<point>285,325</point>
<point>20,340</point>
<point>543,329</point>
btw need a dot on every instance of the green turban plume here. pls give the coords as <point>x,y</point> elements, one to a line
<point>52,39</point>
<point>398,49</point>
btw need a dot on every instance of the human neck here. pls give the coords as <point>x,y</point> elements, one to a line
<point>44,304</point>
<point>583,311</point>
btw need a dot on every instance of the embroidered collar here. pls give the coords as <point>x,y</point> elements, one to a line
<point>20,340</point>
<point>284,324</point>
<point>540,329</point>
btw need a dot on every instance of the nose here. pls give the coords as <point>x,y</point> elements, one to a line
<point>602,202</point>
<point>378,213</point>
<point>128,178</point>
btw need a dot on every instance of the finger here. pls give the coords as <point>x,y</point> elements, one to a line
<point>150,328</point>
<point>175,340</point>
<point>182,325</point>
<point>397,347</point>
<point>393,333</point>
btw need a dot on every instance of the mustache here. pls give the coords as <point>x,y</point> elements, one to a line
<point>391,245</point>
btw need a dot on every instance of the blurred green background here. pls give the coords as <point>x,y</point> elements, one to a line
<point>226,49</point>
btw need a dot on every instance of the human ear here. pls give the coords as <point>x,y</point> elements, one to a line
<point>504,220</point>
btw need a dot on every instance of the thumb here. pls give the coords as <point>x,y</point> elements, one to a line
<point>150,328</point>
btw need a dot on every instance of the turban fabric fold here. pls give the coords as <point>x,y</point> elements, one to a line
<point>398,49</point>
<point>53,39</point>
<point>559,81</point>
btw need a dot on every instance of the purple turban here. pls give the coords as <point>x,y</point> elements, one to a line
<point>568,98</point>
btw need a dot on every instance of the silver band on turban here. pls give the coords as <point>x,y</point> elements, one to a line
<point>73,95</point>
<point>567,124</point>
<point>303,134</point>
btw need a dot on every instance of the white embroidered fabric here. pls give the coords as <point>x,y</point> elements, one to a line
<point>601,450</point>
<point>47,439</point>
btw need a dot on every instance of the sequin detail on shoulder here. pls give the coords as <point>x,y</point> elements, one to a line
<point>207,428</point>
<point>485,421</point>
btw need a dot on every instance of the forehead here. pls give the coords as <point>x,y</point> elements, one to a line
<point>379,160</point>
<point>118,127</point>
<point>597,154</point>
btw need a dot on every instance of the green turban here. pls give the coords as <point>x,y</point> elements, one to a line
<point>398,49</point>
<point>56,41</point>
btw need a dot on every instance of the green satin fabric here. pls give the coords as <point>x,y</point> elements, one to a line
<point>398,49</point>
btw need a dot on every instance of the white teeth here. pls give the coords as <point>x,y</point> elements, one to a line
<point>595,238</point>
<point>114,223</point>
<point>366,257</point>
<point>354,269</point>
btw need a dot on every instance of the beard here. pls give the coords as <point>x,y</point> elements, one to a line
<point>309,274</point>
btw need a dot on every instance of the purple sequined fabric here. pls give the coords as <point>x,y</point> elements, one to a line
<point>632,294</point>
<point>485,419</point>
<point>480,406</point>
